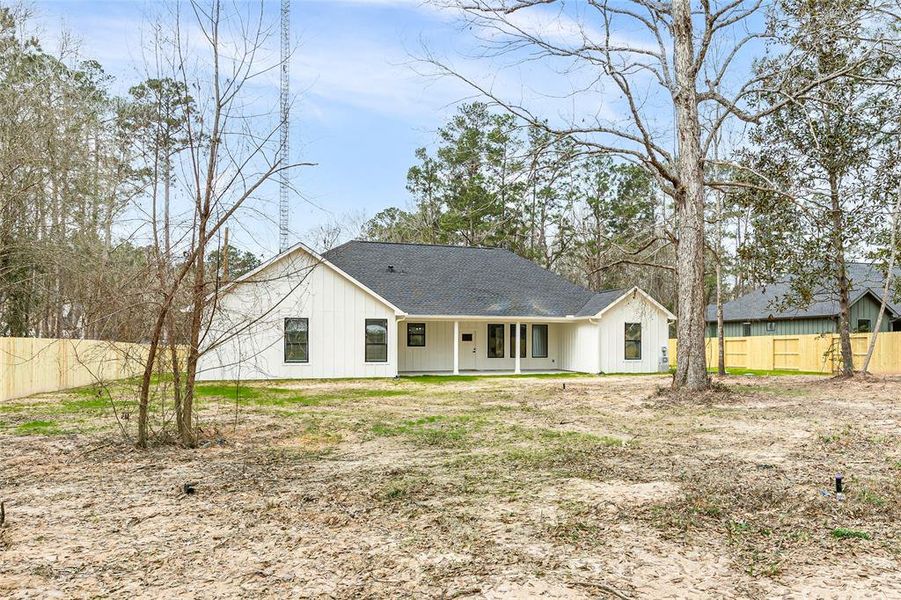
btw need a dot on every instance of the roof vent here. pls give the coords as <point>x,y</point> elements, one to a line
<point>391,268</point>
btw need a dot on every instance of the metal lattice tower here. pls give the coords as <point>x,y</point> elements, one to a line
<point>285,110</point>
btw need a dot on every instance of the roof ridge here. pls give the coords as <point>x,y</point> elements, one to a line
<point>428,245</point>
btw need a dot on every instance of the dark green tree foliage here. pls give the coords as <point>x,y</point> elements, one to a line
<point>810,179</point>
<point>239,262</point>
<point>492,181</point>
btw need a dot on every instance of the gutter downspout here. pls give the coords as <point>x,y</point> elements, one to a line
<point>598,324</point>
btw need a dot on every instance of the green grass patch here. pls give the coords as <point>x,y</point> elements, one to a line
<point>286,397</point>
<point>872,498</point>
<point>652,373</point>
<point>563,453</point>
<point>435,430</point>
<point>439,379</point>
<point>570,438</point>
<point>39,428</point>
<point>842,533</point>
<point>773,390</point>
<point>289,400</point>
<point>362,393</point>
<point>402,488</point>
<point>227,391</point>
<point>770,373</point>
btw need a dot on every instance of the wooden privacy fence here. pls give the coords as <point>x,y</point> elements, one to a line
<point>34,365</point>
<point>812,353</point>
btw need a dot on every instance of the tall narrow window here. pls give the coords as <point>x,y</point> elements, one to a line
<point>297,340</point>
<point>633,341</point>
<point>745,329</point>
<point>376,340</point>
<point>522,340</point>
<point>495,341</point>
<point>539,341</point>
<point>771,327</point>
<point>416,335</point>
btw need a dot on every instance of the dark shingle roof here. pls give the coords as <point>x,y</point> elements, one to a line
<point>761,304</point>
<point>599,302</point>
<point>423,279</point>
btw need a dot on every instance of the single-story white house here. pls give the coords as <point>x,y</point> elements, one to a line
<point>376,309</point>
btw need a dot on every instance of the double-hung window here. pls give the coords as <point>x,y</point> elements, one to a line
<point>415,335</point>
<point>539,341</point>
<point>633,341</point>
<point>495,340</point>
<point>522,340</point>
<point>376,340</point>
<point>297,340</point>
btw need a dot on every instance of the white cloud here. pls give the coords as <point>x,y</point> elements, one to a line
<point>370,75</point>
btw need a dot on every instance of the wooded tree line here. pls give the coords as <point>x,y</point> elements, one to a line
<point>495,181</point>
<point>75,162</point>
<point>115,209</point>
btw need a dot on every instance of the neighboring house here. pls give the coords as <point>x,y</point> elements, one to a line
<point>372,309</point>
<point>757,312</point>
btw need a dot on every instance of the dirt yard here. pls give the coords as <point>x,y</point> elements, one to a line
<point>466,488</point>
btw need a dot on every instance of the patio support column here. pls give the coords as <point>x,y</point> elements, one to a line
<point>456,347</point>
<point>518,344</point>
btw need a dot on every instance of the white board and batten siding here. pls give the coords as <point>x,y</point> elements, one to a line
<point>253,312</point>
<point>580,347</point>
<point>654,335</point>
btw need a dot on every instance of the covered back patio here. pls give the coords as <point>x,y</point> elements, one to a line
<point>484,345</point>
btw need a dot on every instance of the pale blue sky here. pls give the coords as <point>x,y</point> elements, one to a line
<point>361,108</point>
<point>363,105</point>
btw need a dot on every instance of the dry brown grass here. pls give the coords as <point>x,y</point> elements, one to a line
<point>493,487</point>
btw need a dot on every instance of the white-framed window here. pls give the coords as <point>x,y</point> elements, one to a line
<point>297,340</point>
<point>771,326</point>
<point>416,335</point>
<point>632,350</point>
<point>539,341</point>
<point>376,340</point>
<point>495,340</point>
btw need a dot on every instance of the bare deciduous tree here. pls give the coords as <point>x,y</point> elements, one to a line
<point>230,152</point>
<point>685,61</point>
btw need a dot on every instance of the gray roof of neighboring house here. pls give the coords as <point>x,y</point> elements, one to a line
<point>760,304</point>
<point>423,279</point>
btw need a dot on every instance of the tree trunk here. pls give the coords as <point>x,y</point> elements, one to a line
<point>691,361</point>
<point>720,334</point>
<point>841,279</point>
<point>889,281</point>
<point>176,372</point>
<point>144,397</point>
<point>198,293</point>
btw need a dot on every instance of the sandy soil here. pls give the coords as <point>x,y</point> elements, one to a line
<point>491,488</point>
